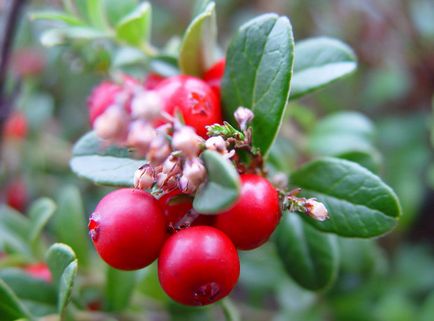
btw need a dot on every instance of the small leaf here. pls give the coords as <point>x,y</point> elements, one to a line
<point>60,36</point>
<point>258,74</point>
<point>197,52</point>
<point>319,62</point>
<point>359,203</point>
<point>95,13</point>
<point>11,308</point>
<point>70,224</point>
<point>40,212</point>
<point>14,231</point>
<point>57,16</point>
<point>222,188</point>
<point>66,285</point>
<point>135,28</point>
<point>58,257</point>
<point>119,288</point>
<point>102,163</point>
<point>309,256</point>
<point>116,9</point>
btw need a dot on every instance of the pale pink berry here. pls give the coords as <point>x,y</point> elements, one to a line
<point>316,210</point>
<point>112,124</point>
<point>144,177</point>
<point>243,116</point>
<point>146,105</point>
<point>193,174</point>
<point>187,141</point>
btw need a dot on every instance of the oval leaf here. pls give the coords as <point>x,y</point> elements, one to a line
<point>309,256</point>
<point>319,62</point>
<point>197,52</point>
<point>258,74</point>
<point>103,164</point>
<point>119,288</point>
<point>360,204</point>
<point>11,308</point>
<point>40,212</point>
<point>135,28</point>
<point>14,231</point>
<point>222,188</point>
<point>58,257</point>
<point>116,9</point>
<point>66,285</point>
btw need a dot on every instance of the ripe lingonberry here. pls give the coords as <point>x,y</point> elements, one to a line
<point>39,271</point>
<point>254,216</point>
<point>176,205</point>
<point>194,99</point>
<point>198,266</point>
<point>102,97</point>
<point>127,229</point>
<point>213,76</point>
<point>152,80</point>
<point>17,195</point>
<point>15,126</point>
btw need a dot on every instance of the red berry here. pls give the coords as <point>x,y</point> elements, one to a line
<point>39,271</point>
<point>28,62</point>
<point>214,75</point>
<point>255,215</point>
<point>102,97</point>
<point>127,229</point>
<point>153,80</point>
<point>175,205</point>
<point>198,266</point>
<point>16,126</point>
<point>196,101</point>
<point>16,195</point>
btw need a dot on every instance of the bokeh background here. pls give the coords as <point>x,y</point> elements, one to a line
<point>391,278</point>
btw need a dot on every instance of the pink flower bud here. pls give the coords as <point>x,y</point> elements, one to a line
<point>144,177</point>
<point>159,150</point>
<point>112,124</point>
<point>146,105</point>
<point>243,116</point>
<point>216,143</point>
<point>140,136</point>
<point>172,166</point>
<point>187,141</point>
<point>193,174</point>
<point>316,210</point>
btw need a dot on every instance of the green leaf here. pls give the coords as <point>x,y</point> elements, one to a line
<point>66,285</point>
<point>309,256</point>
<point>95,13</point>
<point>70,224</point>
<point>14,231</point>
<point>116,9</point>
<point>360,204</point>
<point>258,75</point>
<point>230,310</point>
<point>11,308</point>
<point>60,36</point>
<point>119,288</point>
<point>222,189</point>
<point>197,52</point>
<point>319,62</point>
<point>57,16</point>
<point>427,309</point>
<point>103,164</point>
<point>135,28</point>
<point>40,212</point>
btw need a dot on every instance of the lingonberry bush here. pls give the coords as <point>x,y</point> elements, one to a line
<point>191,140</point>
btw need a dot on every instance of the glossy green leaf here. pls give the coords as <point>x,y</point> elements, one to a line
<point>116,9</point>
<point>319,62</point>
<point>40,213</point>
<point>309,256</point>
<point>360,204</point>
<point>57,16</point>
<point>197,52</point>
<point>119,288</point>
<point>135,28</point>
<point>14,231</point>
<point>258,74</point>
<point>222,188</point>
<point>66,286</point>
<point>11,308</point>
<point>103,164</point>
<point>70,223</point>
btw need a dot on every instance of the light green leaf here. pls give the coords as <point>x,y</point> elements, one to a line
<point>14,231</point>
<point>119,288</point>
<point>40,213</point>
<point>95,12</point>
<point>57,16</point>
<point>11,308</point>
<point>135,28</point>
<point>319,62</point>
<point>258,75</point>
<point>222,189</point>
<point>197,52</point>
<point>70,224</point>
<point>309,256</point>
<point>103,164</point>
<point>116,9</point>
<point>230,310</point>
<point>66,285</point>
<point>60,36</point>
<point>360,204</point>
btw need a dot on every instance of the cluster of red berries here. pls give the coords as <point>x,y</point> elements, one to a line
<point>198,262</point>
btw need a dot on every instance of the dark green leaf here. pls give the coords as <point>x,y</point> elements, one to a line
<point>10,307</point>
<point>197,52</point>
<point>119,288</point>
<point>135,28</point>
<point>258,74</point>
<point>57,16</point>
<point>40,212</point>
<point>222,188</point>
<point>427,309</point>
<point>103,164</point>
<point>359,203</point>
<point>309,256</point>
<point>70,224</point>
<point>319,62</point>
<point>116,9</point>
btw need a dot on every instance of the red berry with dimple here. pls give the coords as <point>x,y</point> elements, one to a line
<point>213,76</point>
<point>102,97</point>
<point>198,266</point>
<point>128,229</point>
<point>194,99</point>
<point>176,205</point>
<point>255,215</point>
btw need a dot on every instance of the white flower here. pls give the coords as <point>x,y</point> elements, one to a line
<point>146,105</point>
<point>216,143</point>
<point>193,174</point>
<point>243,116</point>
<point>187,141</point>
<point>112,124</point>
<point>144,177</point>
<point>316,210</point>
